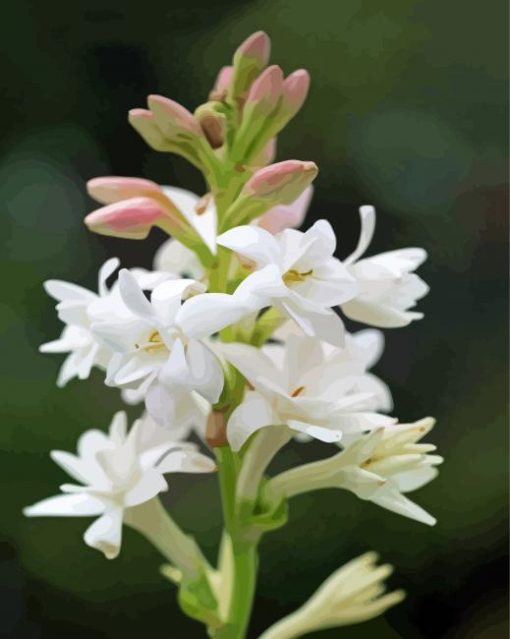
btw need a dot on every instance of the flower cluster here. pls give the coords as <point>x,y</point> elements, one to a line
<point>237,337</point>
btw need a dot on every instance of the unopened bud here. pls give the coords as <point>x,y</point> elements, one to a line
<point>276,184</point>
<point>144,123</point>
<point>108,190</point>
<point>249,60</point>
<point>131,219</point>
<point>281,183</point>
<point>266,155</point>
<point>220,89</point>
<point>212,122</point>
<point>295,90</point>
<point>172,118</point>
<point>287,216</point>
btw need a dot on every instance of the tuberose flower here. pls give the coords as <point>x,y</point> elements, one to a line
<point>78,308</point>
<point>117,472</point>
<point>307,390</point>
<point>388,288</point>
<point>161,352</point>
<point>352,594</point>
<point>380,467</point>
<point>297,273</point>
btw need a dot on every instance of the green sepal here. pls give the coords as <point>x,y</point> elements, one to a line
<point>268,513</point>
<point>197,600</point>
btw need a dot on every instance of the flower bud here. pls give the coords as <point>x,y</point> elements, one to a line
<point>352,594</point>
<point>295,90</point>
<point>219,91</point>
<point>145,125</point>
<point>133,219</point>
<point>212,123</point>
<point>173,119</point>
<point>266,155</point>
<point>216,429</point>
<point>281,183</point>
<point>108,190</point>
<point>249,60</point>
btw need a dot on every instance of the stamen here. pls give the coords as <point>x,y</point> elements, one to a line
<point>297,391</point>
<point>154,343</point>
<point>295,276</point>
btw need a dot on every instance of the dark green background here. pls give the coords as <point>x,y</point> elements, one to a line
<point>408,112</point>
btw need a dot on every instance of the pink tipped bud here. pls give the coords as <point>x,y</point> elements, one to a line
<point>131,219</point>
<point>281,183</point>
<point>256,46</point>
<point>295,90</point>
<point>221,85</point>
<point>144,123</point>
<point>115,189</point>
<point>267,88</point>
<point>173,119</point>
<point>249,60</point>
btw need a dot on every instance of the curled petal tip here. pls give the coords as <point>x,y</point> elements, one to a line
<point>110,189</point>
<point>131,218</point>
<point>257,45</point>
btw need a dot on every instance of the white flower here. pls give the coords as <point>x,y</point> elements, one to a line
<point>161,351</point>
<point>297,273</point>
<point>387,286</point>
<point>174,257</point>
<point>379,467</point>
<point>308,390</point>
<point>78,308</point>
<point>116,471</point>
<point>352,594</point>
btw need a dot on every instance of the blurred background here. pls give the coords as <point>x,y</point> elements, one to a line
<point>407,112</point>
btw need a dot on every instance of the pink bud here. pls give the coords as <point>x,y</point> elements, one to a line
<point>267,88</point>
<point>266,155</point>
<point>114,189</point>
<point>287,216</point>
<point>131,219</point>
<point>144,123</point>
<point>295,90</point>
<point>283,181</point>
<point>257,46</point>
<point>222,83</point>
<point>172,118</point>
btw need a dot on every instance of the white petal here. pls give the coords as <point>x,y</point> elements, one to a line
<point>327,326</point>
<point>252,242</point>
<point>61,291</point>
<point>176,258</point>
<point>327,435</point>
<point>390,498</point>
<point>108,268</point>
<point>378,315</point>
<point>133,296</point>
<point>261,287</point>
<point>167,297</point>
<point>206,314</point>
<point>254,364</point>
<point>186,461</point>
<point>250,416</point>
<point>415,479</point>
<point>367,217</point>
<point>118,428</point>
<point>75,505</point>
<point>370,345</point>
<point>322,242</point>
<point>105,534</point>
<point>184,200</point>
<point>150,484</point>
<point>205,370</point>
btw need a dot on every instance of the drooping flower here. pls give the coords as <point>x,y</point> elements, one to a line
<point>161,352</point>
<point>307,390</point>
<point>352,594</point>
<point>117,472</point>
<point>388,288</point>
<point>297,274</point>
<point>78,308</point>
<point>379,467</point>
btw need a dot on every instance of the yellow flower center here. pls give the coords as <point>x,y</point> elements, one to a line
<point>153,344</point>
<point>295,276</point>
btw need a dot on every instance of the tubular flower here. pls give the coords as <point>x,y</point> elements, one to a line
<point>160,352</point>
<point>307,390</point>
<point>378,467</point>
<point>78,308</point>
<point>352,594</point>
<point>297,273</point>
<point>117,472</point>
<point>388,288</point>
